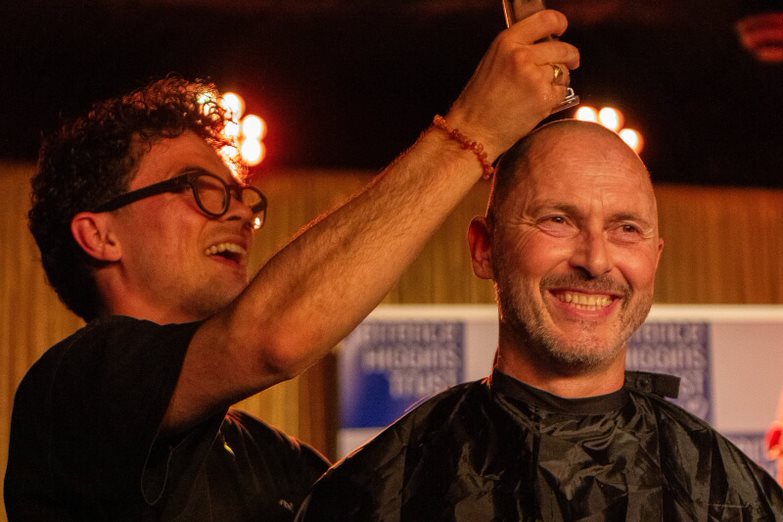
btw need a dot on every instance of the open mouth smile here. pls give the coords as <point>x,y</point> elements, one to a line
<point>583,301</point>
<point>228,251</point>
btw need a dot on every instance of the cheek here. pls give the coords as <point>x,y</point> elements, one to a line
<point>544,254</point>
<point>639,268</point>
<point>532,258</point>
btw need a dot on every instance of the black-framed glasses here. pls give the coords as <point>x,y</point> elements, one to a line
<point>212,195</point>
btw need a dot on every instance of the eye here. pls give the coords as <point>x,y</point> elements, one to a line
<point>630,229</point>
<point>557,225</point>
<point>628,233</point>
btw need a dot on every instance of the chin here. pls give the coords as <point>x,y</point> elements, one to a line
<point>577,352</point>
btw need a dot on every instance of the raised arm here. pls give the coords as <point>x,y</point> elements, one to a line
<point>318,288</point>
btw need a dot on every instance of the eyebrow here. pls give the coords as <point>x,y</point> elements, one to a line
<point>551,205</point>
<point>192,169</point>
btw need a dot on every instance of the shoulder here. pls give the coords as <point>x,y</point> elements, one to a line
<point>113,336</point>
<point>365,482</point>
<point>424,419</point>
<point>87,383</point>
<point>116,353</point>
<point>690,447</point>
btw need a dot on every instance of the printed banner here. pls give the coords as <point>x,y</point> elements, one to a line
<point>394,364</point>
<point>680,349</point>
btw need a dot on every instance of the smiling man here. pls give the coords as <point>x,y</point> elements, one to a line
<point>144,232</point>
<point>559,431</point>
<point>571,240</point>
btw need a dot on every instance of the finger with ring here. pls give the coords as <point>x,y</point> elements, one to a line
<point>557,73</point>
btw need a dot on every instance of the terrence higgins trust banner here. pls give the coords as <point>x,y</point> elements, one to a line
<point>729,360</point>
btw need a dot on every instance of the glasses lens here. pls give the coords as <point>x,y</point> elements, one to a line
<point>211,193</point>
<point>253,199</point>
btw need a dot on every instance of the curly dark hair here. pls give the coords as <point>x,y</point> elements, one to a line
<point>92,159</point>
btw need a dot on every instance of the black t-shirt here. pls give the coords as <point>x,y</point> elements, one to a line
<point>85,445</point>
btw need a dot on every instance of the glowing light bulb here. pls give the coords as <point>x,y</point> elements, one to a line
<point>234,104</point>
<point>586,113</point>
<point>253,127</point>
<point>633,138</point>
<point>252,151</point>
<point>611,118</point>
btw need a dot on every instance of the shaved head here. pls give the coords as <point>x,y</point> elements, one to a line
<point>557,140</point>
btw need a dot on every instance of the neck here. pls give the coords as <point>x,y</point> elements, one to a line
<point>131,304</point>
<point>566,382</point>
<point>143,312</point>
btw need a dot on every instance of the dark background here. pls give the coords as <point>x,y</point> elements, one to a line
<point>351,83</point>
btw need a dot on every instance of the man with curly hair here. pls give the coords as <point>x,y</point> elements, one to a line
<point>144,233</point>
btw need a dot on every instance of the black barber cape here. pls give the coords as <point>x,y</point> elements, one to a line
<point>498,449</point>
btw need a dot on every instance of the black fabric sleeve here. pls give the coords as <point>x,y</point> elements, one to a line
<point>108,397</point>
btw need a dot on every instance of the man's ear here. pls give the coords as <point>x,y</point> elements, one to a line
<point>93,232</point>
<point>480,241</point>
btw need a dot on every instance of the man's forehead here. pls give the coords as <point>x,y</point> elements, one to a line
<point>549,179</point>
<point>169,157</point>
<point>583,156</point>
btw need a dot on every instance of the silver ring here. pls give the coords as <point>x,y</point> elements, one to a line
<point>557,73</point>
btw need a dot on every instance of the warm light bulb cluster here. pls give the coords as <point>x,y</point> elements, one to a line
<point>248,130</point>
<point>613,119</point>
<point>245,147</point>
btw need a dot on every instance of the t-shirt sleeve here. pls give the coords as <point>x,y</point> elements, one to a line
<point>109,394</point>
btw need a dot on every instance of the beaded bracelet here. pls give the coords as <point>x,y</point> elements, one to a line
<point>466,143</point>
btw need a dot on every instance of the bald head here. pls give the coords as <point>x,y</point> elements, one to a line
<point>566,147</point>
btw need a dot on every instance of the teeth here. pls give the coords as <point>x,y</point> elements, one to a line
<point>586,301</point>
<point>225,247</point>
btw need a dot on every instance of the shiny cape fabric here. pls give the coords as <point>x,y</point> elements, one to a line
<point>498,449</point>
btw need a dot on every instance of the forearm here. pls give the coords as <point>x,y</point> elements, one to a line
<point>326,280</point>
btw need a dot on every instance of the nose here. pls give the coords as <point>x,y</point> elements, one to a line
<point>592,254</point>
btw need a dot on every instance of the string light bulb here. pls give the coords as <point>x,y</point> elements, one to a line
<point>244,133</point>
<point>253,127</point>
<point>252,151</point>
<point>633,138</point>
<point>586,113</point>
<point>612,119</point>
<point>234,104</point>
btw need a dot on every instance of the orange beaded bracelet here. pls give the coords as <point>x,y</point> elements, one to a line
<point>466,143</point>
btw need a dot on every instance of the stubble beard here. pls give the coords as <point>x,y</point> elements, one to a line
<point>583,352</point>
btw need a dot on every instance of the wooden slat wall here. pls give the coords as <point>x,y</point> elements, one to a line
<point>723,245</point>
